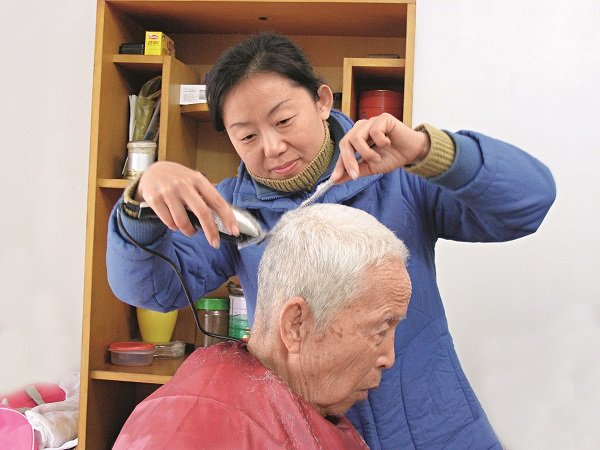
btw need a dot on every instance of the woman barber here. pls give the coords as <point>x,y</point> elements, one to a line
<point>422,183</point>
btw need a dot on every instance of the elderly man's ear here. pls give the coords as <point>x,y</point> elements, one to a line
<point>296,322</point>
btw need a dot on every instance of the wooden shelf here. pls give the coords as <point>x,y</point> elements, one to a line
<point>113,183</point>
<point>198,111</point>
<point>140,62</point>
<point>159,372</point>
<point>377,68</point>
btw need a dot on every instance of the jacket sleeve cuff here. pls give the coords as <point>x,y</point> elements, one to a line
<point>468,160</point>
<point>440,156</point>
<point>129,197</point>
<point>145,231</point>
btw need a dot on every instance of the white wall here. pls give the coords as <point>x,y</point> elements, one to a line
<point>46,83</point>
<point>524,315</point>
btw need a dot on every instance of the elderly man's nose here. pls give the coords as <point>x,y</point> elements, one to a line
<point>388,356</point>
<point>273,144</point>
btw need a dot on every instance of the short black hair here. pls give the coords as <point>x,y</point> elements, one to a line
<point>266,52</point>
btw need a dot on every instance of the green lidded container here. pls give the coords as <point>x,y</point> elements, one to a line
<point>238,315</point>
<point>213,314</point>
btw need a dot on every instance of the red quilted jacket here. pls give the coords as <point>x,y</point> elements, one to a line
<point>224,398</point>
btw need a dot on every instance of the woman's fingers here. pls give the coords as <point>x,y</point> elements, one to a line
<point>359,149</point>
<point>223,210</point>
<point>164,213</point>
<point>181,219</point>
<point>207,202</point>
<point>173,190</point>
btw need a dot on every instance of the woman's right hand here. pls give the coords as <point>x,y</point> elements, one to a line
<point>383,144</point>
<point>170,188</point>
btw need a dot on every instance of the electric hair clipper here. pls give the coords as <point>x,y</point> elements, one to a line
<point>251,232</point>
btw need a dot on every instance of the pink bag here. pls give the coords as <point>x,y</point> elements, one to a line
<point>33,395</point>
<point>16,433</point>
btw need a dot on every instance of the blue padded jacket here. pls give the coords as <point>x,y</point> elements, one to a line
<point>492,192</point>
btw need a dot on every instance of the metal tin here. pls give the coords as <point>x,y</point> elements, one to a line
<point>140,155</point>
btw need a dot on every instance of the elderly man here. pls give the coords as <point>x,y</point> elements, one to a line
<point>332,286</point>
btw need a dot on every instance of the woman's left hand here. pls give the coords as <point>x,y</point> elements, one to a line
<point>383,144</point>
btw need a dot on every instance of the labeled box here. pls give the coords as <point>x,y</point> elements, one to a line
<point>190,94</point>
<point>158,43</point>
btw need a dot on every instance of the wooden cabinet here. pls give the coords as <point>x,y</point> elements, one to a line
<point>338,36</point>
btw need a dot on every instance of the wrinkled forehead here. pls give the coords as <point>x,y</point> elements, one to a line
<point>385,293</point>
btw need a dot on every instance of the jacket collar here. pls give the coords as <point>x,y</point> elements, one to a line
<point>249,194</point>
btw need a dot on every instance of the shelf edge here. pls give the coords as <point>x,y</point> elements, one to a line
<point>198,111</point>
<point>113,183</point>
<point>108,375</point>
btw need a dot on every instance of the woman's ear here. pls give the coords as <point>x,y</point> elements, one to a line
<point>295,323</point>
<point>325,101</point>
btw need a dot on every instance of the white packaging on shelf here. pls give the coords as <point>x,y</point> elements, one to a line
<point>192,93</point>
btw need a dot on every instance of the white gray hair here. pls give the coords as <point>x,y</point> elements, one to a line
<point>321,253</point>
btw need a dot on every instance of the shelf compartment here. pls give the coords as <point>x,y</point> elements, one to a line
<point>362,74</point>
<point>125,74</point>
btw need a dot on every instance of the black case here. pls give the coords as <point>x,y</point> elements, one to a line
<point>131,49</point>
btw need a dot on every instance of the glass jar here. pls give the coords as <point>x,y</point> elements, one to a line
<point>140,155</point>
<point>213,314</point>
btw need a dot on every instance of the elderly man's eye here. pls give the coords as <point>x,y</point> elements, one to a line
<point>380,336</point>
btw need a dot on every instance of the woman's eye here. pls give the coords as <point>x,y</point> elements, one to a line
<point>248,138</point>
<point>284,121</point>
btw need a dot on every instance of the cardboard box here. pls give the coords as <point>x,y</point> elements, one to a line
<point>158,43</point>
<point>190,94</point>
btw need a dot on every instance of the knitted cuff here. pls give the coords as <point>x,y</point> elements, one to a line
<point>440,157</point>
<point>130,204</point>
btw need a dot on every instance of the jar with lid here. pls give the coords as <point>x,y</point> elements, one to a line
<point>140,155</point>
<point>213,314</point>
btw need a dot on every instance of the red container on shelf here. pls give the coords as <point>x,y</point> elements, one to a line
<point>375,102</point>
<point>131,353</point>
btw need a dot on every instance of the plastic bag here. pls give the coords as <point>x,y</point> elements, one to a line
<point>144,108</point>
